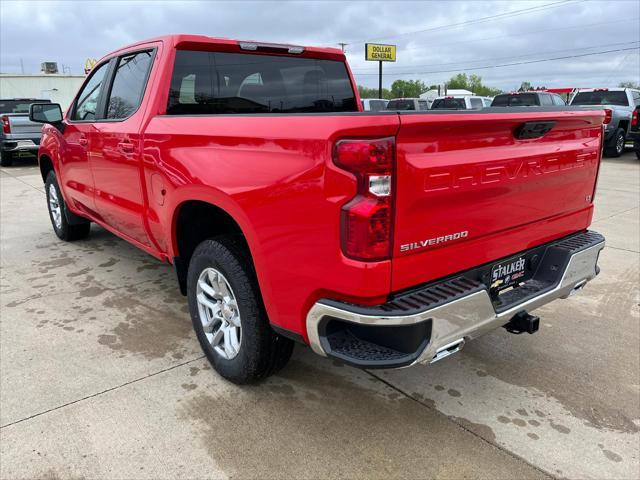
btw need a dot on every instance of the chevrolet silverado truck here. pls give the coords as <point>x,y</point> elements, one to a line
<point>19,134</point>
<point>619,105</point>
<point>380,239</point>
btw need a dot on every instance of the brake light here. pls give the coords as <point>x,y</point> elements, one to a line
<point>6,127</point>
<point>634,118</point>
<point>366,222</point>
<point>607,116</point>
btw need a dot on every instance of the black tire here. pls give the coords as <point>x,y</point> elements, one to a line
<point>6,159</point>
<point>64,230</point>
<point>615,147</point>
<point>262,352</point>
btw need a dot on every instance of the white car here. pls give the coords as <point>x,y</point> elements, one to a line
<point>374,104</point>
<point>462,102</point>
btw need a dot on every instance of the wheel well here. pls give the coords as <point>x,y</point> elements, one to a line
<point>46,165</point>
<point>198,221</point>
<point>624,124</point>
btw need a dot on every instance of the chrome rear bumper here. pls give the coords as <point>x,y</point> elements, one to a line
<point>465,316</point>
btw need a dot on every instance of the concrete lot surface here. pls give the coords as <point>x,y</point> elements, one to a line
<point>102,377</point>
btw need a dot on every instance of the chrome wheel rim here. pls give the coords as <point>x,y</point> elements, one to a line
<point>219,313</point>
<point>54,207</point>
<point>620,144</point>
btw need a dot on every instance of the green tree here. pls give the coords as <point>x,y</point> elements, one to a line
<point>629,85</point>
<point>525,87</point>
<point>366,92</point>
<point>408,88</point>
<point>472,83</point>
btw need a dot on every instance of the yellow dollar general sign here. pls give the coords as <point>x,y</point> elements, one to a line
<point>380,53</point>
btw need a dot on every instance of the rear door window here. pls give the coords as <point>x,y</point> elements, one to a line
<point>377,105</point>
<point>128,84</point>
<point>476,103</point>
<point>545,99</point>
<point>235,83</point>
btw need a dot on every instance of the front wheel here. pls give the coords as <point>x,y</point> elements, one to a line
<point>228,316</point>
<point>59,215</point>
<point>615,145</point>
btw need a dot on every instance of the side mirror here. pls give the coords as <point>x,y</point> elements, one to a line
<point>45,113</point>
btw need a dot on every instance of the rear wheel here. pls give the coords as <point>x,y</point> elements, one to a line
<point>6,159</point>
<point>615,145</point>
<point>228,316</point>
<point>59,215</point>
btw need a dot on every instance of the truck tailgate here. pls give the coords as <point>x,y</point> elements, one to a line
<point>22,127</point>
<point>469,191</point>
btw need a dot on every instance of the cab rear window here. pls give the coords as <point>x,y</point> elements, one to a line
<point>401,105</point>
<point>601,98</point>
<point>228,83</point>
<point>448,104</point>
<point>515,100</point>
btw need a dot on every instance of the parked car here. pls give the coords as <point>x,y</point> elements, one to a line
<point>19,134</point>
<point>619,103</point>
<point>528,99</point>
<point>408,104</point>
<point>374,104</point>
<point>466,102</point>
<point>380,240</point>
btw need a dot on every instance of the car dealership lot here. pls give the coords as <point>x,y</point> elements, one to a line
<point>101,375</point>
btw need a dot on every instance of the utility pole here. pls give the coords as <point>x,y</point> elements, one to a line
<point>342,45</point>
<point>21,66</point>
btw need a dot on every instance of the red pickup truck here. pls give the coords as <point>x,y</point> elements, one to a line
<point>381,239</point>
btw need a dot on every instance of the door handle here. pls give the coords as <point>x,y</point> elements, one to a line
<point>126,147</point>
<point>83,141</point>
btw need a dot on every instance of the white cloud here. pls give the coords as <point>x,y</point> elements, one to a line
<point>70,31</point>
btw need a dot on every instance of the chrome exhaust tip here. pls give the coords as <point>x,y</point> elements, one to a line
<point>447,350</point>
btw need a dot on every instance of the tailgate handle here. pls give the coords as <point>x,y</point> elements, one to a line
<point>533,130</point>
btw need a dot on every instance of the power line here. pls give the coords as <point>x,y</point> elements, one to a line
<point>512,13</point>
<point>520,34</point>
<point>513,56</point>
<point>510,64</point>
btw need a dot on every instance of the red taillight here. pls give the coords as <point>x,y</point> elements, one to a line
<point>607,116</point>
<point>366,221</point>
<point>6,128</point>
<point>634,118</point>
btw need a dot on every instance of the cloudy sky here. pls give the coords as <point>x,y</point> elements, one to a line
<point>435,39</point>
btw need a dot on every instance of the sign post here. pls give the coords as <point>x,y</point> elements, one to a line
<point>376,52</point>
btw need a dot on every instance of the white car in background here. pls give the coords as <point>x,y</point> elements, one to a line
<point>374,104</point>
<point>462,102</point>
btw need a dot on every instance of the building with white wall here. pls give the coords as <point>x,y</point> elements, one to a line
<point>57,88</point>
